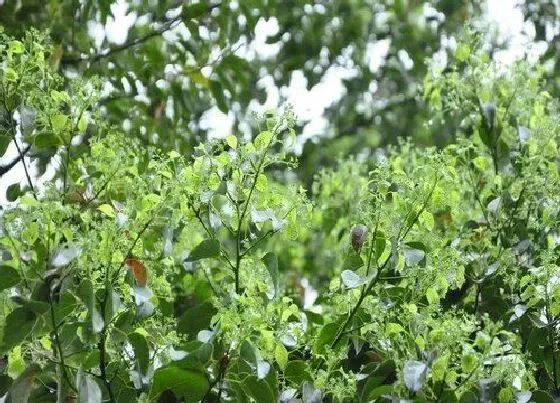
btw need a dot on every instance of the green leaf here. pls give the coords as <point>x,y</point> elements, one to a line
<point>12,192</point>
<point>141,350</point>
<point>281,355</point>
<point>5,383</point>
<point>10,74</point>
<point>271,262</point>
<point>218,94</point>
<point>194,10</point>
<point>259,390</point>
<point>297,372</point>
<point>4,143</point>
<point>58,122</point>
<point>232,141</point>
<point>432,296</point>
<point>352,262</point>
<point>541,396</point>
<point>107,209</point>
<point>88,389</point>
<point>9,277</point>
<point>184,383</point>
<point>427,219</point>
<point>22,386</point>
<point>326,337</point>
<point>196,319</point>
<point>82,124</point>
<point>16,47</point>
<point>204,250</point>
<point>263,140</point>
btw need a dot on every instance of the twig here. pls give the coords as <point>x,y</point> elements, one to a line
<point>6,168</point>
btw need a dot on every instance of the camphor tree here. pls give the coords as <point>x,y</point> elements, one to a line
<point>142,273</point>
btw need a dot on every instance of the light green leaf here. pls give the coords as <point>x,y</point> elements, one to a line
<point>58,122</point>
<point>232,141</point>
<point>281,355</point>
<point>263,140</point>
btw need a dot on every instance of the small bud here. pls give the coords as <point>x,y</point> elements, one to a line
<point>359,237</point>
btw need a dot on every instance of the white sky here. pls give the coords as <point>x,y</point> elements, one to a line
<point>308,105</point>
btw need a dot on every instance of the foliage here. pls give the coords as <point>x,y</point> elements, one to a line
<point>417,274</point>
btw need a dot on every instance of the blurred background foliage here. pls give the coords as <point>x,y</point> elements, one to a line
<point>179,65</point>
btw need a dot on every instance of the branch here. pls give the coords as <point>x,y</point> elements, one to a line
<point>127,45</point>
<point>8,167</point>
<point>130,44</point>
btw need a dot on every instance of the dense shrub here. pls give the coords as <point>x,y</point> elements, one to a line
<point>408,274</point>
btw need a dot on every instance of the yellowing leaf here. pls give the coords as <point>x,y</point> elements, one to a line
<point>107,209</point>
<point>232,141</point>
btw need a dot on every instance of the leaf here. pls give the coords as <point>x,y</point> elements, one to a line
<point>432,296</point>
<point>13,191</point>
<point>64,256</point>
<point>141,350</point>
<point>297,372</point>
<point>494,205</point>
<point>427,219</point>
<point>107,209</point>
<point>271,262</point>
<point>218,94</point>
<point>541,396</point>
<point>4,143</point>
<point>139,271</point>
<point>184,383</point>
<point>232,141</point>
<point>22,386</point>
<point>263,140</point>
<point>196,319</point>
<point>352,280</point>
<point>326,336</point>
<point>9,277</point>
<point>16,47</point>
<point>352,262</point>
<point>263,367</point>
<point>88,389</point>
<point>414,375</point>
<point>413,255</point>
<point>310,394</point>
<point>259,390</point>
<point>206,249</point>
<point>194,10</point>
<point>82,124</point>
<point>281,355</point>
<point>58,122</point>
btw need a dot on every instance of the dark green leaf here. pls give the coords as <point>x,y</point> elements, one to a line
<point>194,10</point>
<point>297,372</point>
<point>206,249</point>
<point>218,94</point>
<point>9,277</point>
<point>184,383</point>
<point>141,350</point>
<point>196,319</point>
<point>12,192</point>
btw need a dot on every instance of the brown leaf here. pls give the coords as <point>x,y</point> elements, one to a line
<point>138,270</point>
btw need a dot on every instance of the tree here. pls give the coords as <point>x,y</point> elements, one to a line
<point>211,271</point>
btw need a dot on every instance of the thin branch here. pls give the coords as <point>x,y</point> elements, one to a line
<point>6,168</point>
<point>168,25</point>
